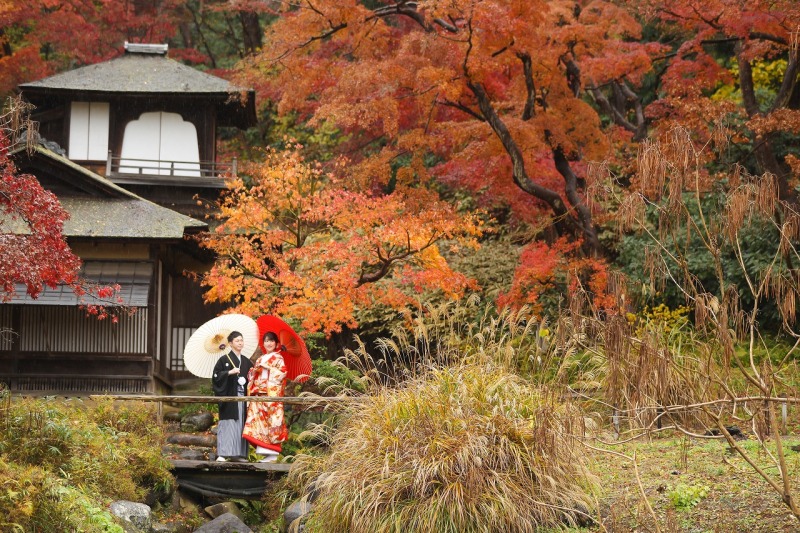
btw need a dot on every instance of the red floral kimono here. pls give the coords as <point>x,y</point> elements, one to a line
<point>265,426</point>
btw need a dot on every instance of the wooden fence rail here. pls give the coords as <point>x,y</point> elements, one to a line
<point>298,400</point>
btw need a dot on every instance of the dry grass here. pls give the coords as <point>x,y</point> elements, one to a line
<point>477,435</point>
<point>637,374</point>
<point>464,448</point>
<point>737,499</point>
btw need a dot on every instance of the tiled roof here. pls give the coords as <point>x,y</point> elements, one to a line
<point>117,213</point>
<point>125,218</point>
<point>137,73</point>
<point>133,279</point>
<point>97,181</point>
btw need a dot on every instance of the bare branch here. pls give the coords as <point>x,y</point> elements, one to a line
<point>464,108</point>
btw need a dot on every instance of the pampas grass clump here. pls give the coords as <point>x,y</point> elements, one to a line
<point>470,447</point>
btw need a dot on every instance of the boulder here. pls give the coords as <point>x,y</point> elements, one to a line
<point>294,515</point>
<point>186,503</point>
<point>172,416</point>
<point>220,509</point>
<point>197,422</point>
<point>158,527</point>
<point>314,487</point>
<point>159,494</point>
<point>590,426</point>
<point>189,439</point>
<point>190,454</point>
<point>733,431</point>
<point>227,523</point>
<point>583,516</point>
<point>135,517</point>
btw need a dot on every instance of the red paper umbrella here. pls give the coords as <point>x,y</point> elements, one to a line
<point>292,348</point>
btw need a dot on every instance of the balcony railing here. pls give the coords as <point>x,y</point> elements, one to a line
<point>137,170</point>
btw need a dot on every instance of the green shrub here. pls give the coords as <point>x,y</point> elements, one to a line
<point>66,459</point>
<point>195,408</point>
<point>328,378</point>
<point>332,377</point>
<point>683,497</point>
<point>33,499</point>
<point>762,242</point>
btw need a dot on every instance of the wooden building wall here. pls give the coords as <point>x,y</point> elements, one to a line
<point>57,349</point>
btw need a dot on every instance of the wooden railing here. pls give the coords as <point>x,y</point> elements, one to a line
<point>66,385</point>
<point>297,400</point>
<point>137,168</point>
<point>308,401</point>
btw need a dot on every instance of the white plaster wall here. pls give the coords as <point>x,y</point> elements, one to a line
<point>88,131</point>
<point>160,143</point>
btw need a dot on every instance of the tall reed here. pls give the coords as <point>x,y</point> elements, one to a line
<point>459,442</point>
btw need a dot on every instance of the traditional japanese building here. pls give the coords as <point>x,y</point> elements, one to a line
<point>145,122</point>
<point>127,145</point>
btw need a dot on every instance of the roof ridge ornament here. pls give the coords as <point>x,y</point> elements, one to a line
<point>146,48</point>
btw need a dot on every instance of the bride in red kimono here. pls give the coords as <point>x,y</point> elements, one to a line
<point>265,428</point>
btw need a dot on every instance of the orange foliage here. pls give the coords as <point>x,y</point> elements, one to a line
<point>490,92</point>
<point>722,41</point>
<point>404,74</point>
<point>781,120</point>
<point>299,242</point>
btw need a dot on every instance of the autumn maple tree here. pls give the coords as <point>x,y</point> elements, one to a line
<point>489,96</point>
<point>41,37</point>
<point>34,252</point>
<point>314,245</point>
<point>734,72</point>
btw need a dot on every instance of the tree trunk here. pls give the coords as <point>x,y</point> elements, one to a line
<point>591,244</point>
<point>519,173</point>
<point>186,35</point>
<point>764,148</point>
<point>251,31</point>
<point>564,221</point>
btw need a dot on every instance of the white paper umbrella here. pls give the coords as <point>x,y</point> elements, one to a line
<point>210,341</point>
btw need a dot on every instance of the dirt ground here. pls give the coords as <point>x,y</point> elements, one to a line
<point>692,485</point>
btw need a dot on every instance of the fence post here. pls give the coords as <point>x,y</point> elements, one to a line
<point>108,164</point>
<point>233,167</point>
<point>784,416</point>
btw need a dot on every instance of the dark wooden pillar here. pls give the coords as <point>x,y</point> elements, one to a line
<point>16,327</point>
